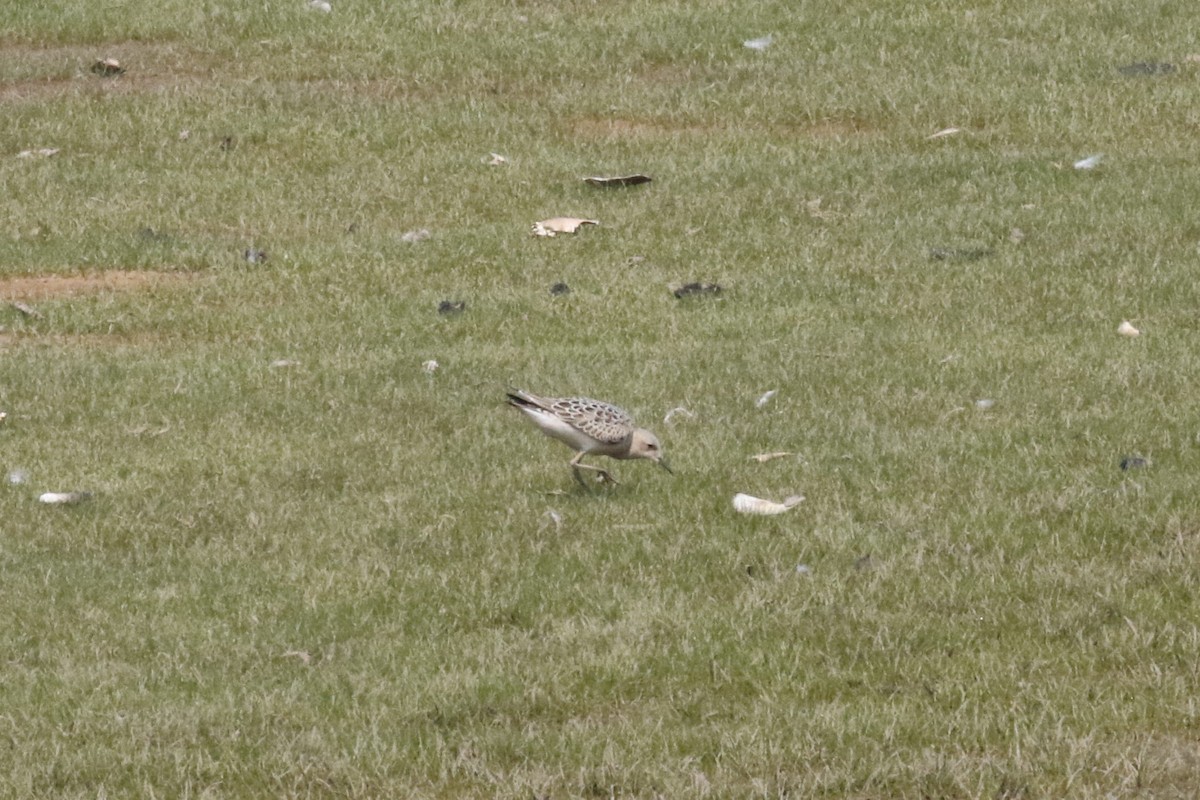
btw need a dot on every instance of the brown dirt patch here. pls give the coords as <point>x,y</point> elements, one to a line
<point>841,127</point>
<point>53,287</point>
<point>108,341</point>
<point>31,73</point>
<point>618,128</point>
<point>836,128</point>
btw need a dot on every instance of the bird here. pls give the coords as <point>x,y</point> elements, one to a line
<point>590,426</point>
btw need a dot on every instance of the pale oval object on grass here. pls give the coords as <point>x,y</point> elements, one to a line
<point>419,235</point>
<point>749,504</point>
<point>761,43</point>
<point>495,160</point>
<point>430,366</point>
<point>320,5</point>
<point>556,225</point>
<point>1091,162</point>
<point>40,152</point>
<point>64,498</point>
<point>765,398</point>
<point>1127,329</point>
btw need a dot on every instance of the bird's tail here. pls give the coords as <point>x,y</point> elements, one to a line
<point>520,399</point>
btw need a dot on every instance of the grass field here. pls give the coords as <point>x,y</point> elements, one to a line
<point>311,568</point>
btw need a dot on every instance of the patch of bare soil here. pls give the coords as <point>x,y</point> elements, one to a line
<point>30,73</point>
<point>52,287</point>
<point>622,128</point>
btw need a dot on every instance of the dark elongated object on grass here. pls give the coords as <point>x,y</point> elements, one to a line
<point>698,288</point>
<point>622,180</point>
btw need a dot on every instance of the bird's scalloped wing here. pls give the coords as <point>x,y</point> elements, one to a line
<point>601,421</point>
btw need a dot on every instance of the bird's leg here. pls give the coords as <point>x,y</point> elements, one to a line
<point>579,478</point>
<point>604,475</point>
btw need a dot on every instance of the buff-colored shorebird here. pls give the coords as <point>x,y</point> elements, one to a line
<point>590,426</point>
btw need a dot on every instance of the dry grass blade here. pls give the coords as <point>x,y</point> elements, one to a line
<point>763,458</point>
<point>944,132</point>
<point>26,309</point>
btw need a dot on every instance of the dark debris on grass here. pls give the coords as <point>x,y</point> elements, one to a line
<point>959,253</point>
<point>698,289</point>
<point>618,181</point>
<point>1147,68</point>
<point>155,237</point>
<point>107,68</point>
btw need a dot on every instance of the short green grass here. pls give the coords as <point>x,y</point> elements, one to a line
<point>344,577</point>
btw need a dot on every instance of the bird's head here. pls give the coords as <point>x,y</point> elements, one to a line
<point>646,445</point>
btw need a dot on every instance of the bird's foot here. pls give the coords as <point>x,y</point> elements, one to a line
<point>603,476</point>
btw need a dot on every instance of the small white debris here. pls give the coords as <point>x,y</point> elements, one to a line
<point>1091,162</point>
<point>761,43</point>
<point>944,132</point>
<point>495,160</point>
<point>984,403</point>
<point>64,498</point>
<point>184,135</point>
<point>41,152</point>
<point>304,656</point>
<point>3,417</point>
<point>556,225</point>
<point>430,366</point>
<point>107,68</point>
<point>766,398</point>
<point>1127,329</point>
<point>418,235</point>
<point>677,410</point>
<point>749,504</point>
<point>763,458</point>
<point>320,5</point>
<point>18,476</point>
<point>552,517</point>
<point>281,363</point>
<point>803,569</point>
<point>1016,236</point>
